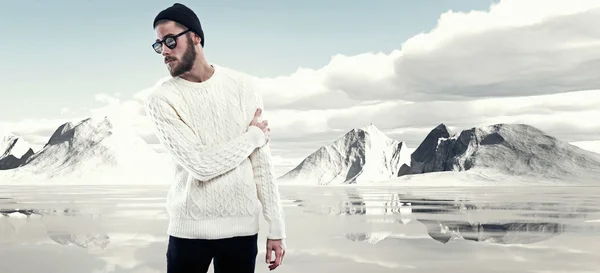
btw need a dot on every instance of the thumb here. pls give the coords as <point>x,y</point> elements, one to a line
<point>268,257</point>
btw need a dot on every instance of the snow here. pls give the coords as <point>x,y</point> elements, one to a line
<point>97,151</point>
<point>494,155</point>
<point>513,152</point>
<point>360,156</point>
<point>13,151</point>
<point>11,144</point>
<point>92,151</point>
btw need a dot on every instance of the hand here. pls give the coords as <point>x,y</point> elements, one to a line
<point>264,125</point>
<point>278,247</point>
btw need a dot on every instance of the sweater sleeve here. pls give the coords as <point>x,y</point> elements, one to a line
<point>264,177</point>
<point>267,191</point>
<point>203,161</point>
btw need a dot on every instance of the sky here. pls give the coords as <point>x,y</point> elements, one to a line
<point>327,66</point>
<point>68,51</point>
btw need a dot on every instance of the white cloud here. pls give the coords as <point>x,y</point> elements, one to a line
<point>518,47</point>
<point>105,98</point>
<point>551,108</point>
<point>66,111</point>
<point>517,63</point>
<point>35,131</point>
<point>328,87</point>
<point>589,145</point>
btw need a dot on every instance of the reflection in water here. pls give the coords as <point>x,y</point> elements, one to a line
<point>66,227</point>
<point>499,231</point>
<point>450,218</point>
<point>445,219</point>
<point>399,221</point>
<point>505,233</point>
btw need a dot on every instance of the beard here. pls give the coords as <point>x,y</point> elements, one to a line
<point>187,60</point>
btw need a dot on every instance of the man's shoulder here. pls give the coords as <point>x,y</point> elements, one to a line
<point>162,87</point>
<point>247,85</point>
<point>160,90</point>
<point>237,76</point>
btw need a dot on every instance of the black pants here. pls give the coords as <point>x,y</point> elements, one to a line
<point>237,254</point>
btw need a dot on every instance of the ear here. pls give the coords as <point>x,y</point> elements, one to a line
<point>197,39</point>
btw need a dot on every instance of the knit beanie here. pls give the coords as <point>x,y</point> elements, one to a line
<point>183,15</point>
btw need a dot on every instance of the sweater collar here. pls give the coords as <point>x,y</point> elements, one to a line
<point>214,78</point>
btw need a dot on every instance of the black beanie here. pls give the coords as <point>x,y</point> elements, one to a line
<point>183,15</point>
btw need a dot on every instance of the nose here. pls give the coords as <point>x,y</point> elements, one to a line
<point>165,50</point>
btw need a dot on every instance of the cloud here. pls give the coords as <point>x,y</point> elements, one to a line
<point>128,114</point>
<point>330,87</point>
<point>516,48</point>
<point>588,145</point>
<point>393,114</point>
<point>568,116</point>
<point>66,111</point>
<point>36,132</point>
<point>106,98</point>
<point>521,61</point>
<point>553,56</point>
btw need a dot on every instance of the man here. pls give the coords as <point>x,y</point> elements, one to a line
<point>208,119</point>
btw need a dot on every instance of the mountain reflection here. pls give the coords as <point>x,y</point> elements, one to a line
<point>66,227</point>
<point>448,219</point>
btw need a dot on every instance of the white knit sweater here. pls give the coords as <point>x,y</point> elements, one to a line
<point>223,168</point>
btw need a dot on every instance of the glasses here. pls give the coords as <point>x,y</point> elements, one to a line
<point>170,41</point>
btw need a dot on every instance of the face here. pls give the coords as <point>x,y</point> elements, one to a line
<point>179,59</point>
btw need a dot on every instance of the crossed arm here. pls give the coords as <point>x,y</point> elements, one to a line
<point>202,161</point>
<point>264,177</point>
<point>206,162</point>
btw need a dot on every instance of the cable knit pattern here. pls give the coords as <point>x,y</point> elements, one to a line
<point>264,175</point>
<point>223,167</point>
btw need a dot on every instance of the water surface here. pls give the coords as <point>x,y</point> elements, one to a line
<point>331,229</point>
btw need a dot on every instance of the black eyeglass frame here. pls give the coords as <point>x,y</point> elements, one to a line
<point>170,41</point>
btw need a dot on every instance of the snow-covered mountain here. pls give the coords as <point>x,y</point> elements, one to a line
<point>507,149</point>
<point>506,153</point>
<point>361,155</point>
<point>92,151</point>
<point>14,151</point>
<point>96,151</point>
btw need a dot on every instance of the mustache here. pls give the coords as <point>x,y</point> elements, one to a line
<point>170,58</point>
